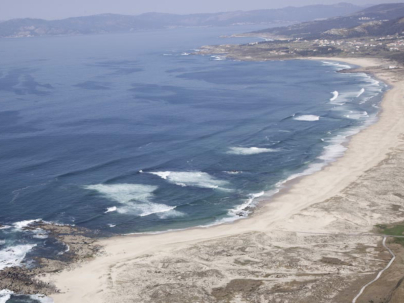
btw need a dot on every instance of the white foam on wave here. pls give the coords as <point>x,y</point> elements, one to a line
<point>308,118</point>
<point>335,149</point>
<point>14,255</point>
<point>145,209</point>
<point>162,174</point>
<point>135,198</point>
<point>241,210</point>
<point>5,295</point>
<point>332,151</point>
<point>170,214</point>
<point>337,65</point>
<point>5,227</point>
<point>111,209</point>
<point>40,234</point>
<point>196,179</point>
<point>111,225</point>
<point>24,224</point>
<point>249,150</point>
<point>335,95</point>
<point>185,54</point>
<point>218,58</point>
<point>233,172</point>
<point>360,93</point>
<point>41,298</point>
<point>356,115</point>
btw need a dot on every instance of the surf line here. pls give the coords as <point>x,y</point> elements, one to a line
<point>380,272</point>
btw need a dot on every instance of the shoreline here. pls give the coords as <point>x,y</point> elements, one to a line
<point>287,183</point>
<point>284,184</point>
<point>92,279</point>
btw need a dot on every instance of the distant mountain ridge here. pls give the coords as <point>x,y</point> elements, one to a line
<point>112,23</point>
<point>383,19</point>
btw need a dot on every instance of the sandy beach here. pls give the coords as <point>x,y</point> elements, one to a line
<point>313,241</point>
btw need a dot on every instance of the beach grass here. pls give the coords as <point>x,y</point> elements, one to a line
<point>393,230</point>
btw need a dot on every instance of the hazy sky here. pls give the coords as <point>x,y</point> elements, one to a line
<point>56,9</point>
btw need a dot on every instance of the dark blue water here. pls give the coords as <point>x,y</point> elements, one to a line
<point>128,133</point>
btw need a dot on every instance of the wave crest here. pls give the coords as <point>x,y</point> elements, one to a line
<point>249,150</point>
<point>196,179</point>
<point>308,118</point>
<point>135,198</point>
<point>360,93</point>
<point>14,255</point>
<point>335,95</point>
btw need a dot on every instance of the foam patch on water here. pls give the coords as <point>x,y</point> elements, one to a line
<point>170,214</point>
<point>242,210</point>
<point>334,149</point>
<point>249,150</point>
<point>5,295</point>
<point>338,66</point>
<point>40,234</point>
<point>24,224</point>
<point>196,179</point>
<point>5,227</point>
<point>111,209</point>
<point>356,115</point>
<point>335,95</point>
<point>42,298</point>
<point>218,58</point>
<point>14,255</point>
<point>233,172</point>
<point>308,118</point>
<point>145,209</point>
<point>361,92</point>
<point>136,198</point>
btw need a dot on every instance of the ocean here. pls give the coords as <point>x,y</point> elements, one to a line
<point>131,133</point>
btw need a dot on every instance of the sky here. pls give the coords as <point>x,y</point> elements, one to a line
<point>58,9</point>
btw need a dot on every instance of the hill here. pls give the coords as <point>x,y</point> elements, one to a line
<point>112,23</point>
<point>376,20</point>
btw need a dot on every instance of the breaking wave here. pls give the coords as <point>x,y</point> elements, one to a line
<point>360,93</point>
<point>307,118</point>
<point>111,209</point>
<point>14,255</point>
<point>335,96</point>
<point>23,224</point>
<point>338,66</point>
<point>135,198</point>
<point>249,150</point>
<point>242,210</point>
<point>6,294</point>
<point>196,179</point>
<point>218,58</point>
<point>356,115</point>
